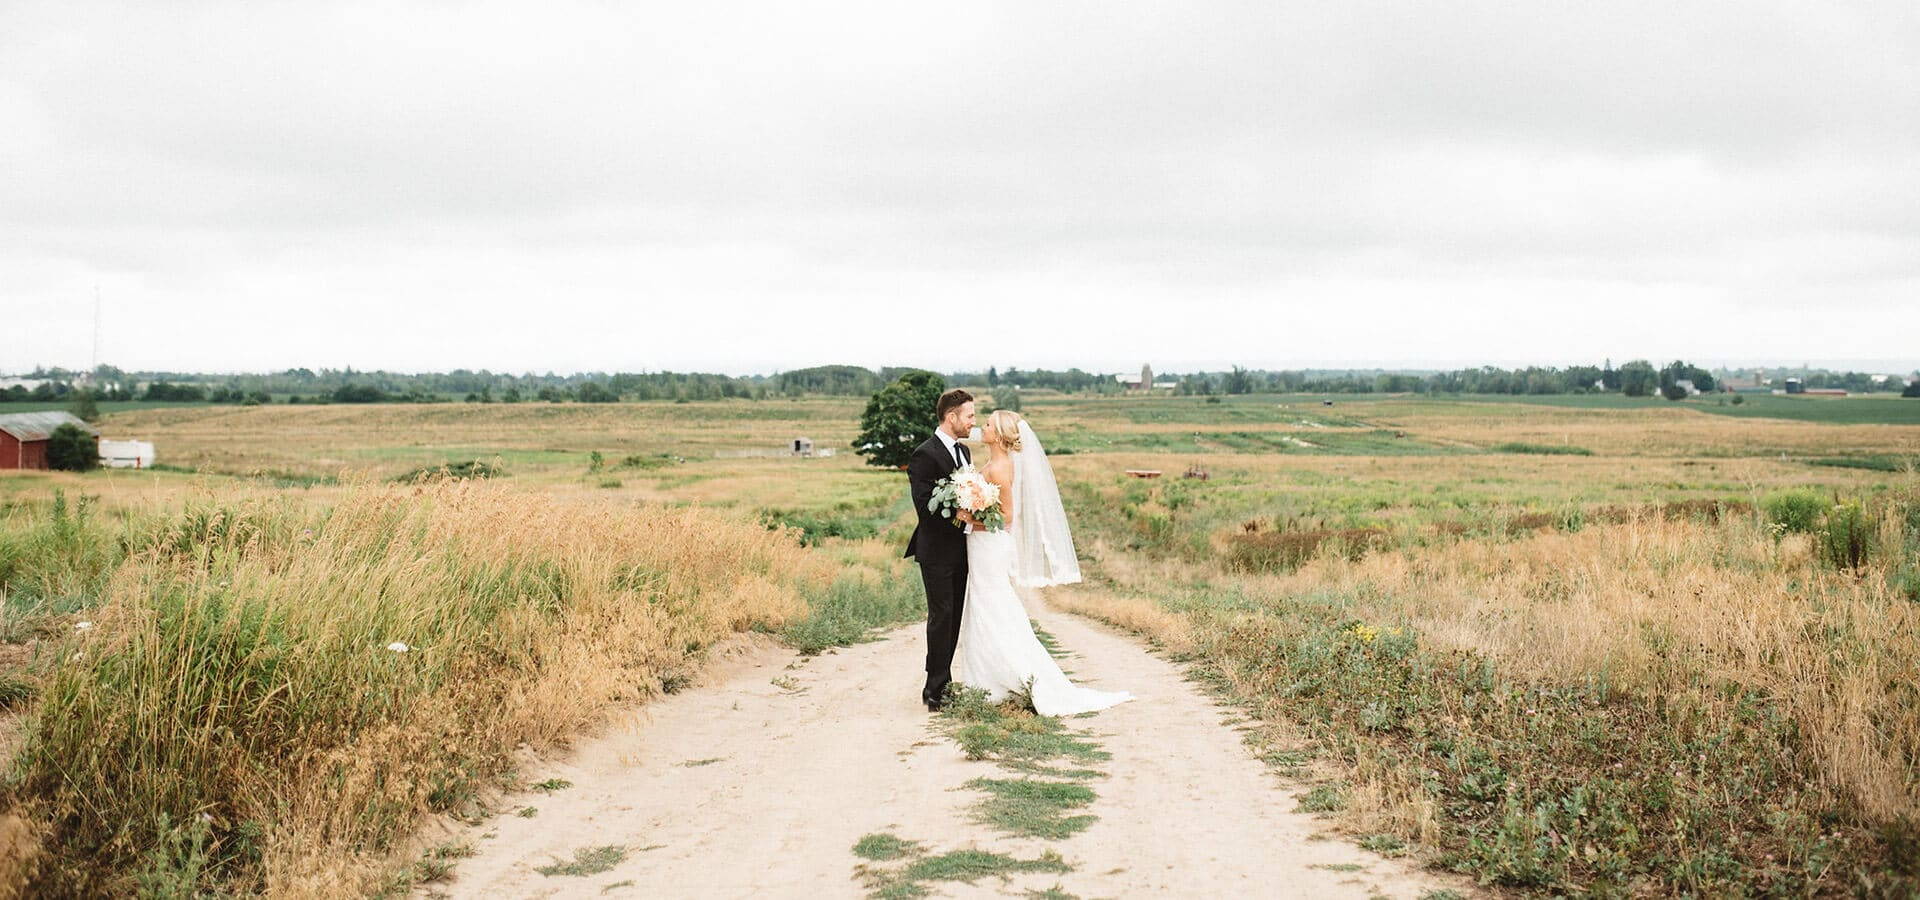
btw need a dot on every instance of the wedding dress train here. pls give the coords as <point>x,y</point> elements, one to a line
<point>998,651</point>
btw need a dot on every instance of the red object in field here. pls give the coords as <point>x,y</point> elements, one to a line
<point>23,437</point>
<point>18,454</point>
<point>1144,473</point>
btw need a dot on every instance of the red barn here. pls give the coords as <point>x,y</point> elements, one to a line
<point>23,437</point>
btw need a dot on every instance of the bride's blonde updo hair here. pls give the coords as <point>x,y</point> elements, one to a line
<point>1006,426</point>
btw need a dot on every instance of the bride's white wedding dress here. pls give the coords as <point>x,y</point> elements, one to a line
<point>998,651</point>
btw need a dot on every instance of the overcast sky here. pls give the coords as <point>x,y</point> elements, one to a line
<point>746,187</point>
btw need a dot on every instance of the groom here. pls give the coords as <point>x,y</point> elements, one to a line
<point>939,546</point>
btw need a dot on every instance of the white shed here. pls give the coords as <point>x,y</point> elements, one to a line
<point>126,454</point>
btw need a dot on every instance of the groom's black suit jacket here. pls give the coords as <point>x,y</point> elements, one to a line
<point>936,540</point>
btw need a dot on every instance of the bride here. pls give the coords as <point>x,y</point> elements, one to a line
<point>998,651</point>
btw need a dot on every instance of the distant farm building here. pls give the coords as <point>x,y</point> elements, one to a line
<point>126,454</point>
<point>800,446</point>
<point>24,436</point>
<point>1144,383</point>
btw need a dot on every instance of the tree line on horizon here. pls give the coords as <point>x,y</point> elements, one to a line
<point>1638,378</point>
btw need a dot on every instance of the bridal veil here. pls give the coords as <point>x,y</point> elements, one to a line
<point>1043,546</point>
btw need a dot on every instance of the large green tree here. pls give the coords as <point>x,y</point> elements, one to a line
<point>1638,378</point>
<point>73,449</point>
<point>1681,370</point>
<point>898,418</point>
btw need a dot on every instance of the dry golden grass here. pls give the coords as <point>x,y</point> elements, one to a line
<point>1674,433</point>
<point>1673,609</point>
<point>238,669</point>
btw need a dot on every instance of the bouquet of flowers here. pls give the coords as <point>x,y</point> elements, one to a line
<point>966,489</point>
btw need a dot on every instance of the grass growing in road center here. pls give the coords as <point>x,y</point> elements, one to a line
<point>967,866</point>
<point>1030,807</point>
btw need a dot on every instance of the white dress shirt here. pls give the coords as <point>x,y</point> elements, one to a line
<point>950,442</point>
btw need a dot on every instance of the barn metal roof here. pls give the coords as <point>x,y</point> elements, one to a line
<point>38,426</point>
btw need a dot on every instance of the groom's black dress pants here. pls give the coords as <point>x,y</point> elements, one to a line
<point>946,596</point>
<point>941,550</point>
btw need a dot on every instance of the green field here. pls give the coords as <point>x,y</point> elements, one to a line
<point>1856,409</point>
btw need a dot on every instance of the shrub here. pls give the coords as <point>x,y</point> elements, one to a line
<point>1846,537</point>
<point>1547,449</point>
<point>815,528</point>
<point>72,449</point>
<point>359,393</point>
<point>1796,511</point>
<point>1284,551</point>
<point>472,468</point>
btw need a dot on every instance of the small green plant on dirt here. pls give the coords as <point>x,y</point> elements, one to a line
<point>987,730</point>
<point>1048,641</point>
<point>587,861</point>
<point>553,784</point>
<point>1032,808</point>
<point>1052,893</point>
<point>1384,844</point>
<point>965,866</point>
<point>883,847</point>
<point>1325,798</point>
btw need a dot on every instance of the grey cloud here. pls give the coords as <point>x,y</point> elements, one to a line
<point>837,156</point>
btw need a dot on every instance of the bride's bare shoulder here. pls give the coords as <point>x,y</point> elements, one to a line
<point>1000,468</point>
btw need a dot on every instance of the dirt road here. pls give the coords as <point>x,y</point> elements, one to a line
<point>759,781</point>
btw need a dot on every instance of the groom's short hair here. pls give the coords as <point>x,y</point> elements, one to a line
<point>949,402</point>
